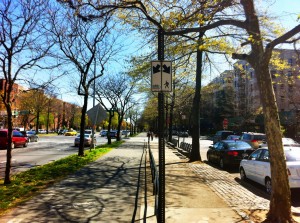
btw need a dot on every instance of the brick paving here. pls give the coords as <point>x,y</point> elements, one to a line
<point>223,184</point>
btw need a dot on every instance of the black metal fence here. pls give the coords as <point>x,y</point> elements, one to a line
<point>155,178</point>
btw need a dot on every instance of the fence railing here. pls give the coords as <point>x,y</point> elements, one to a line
<point>155,178</point>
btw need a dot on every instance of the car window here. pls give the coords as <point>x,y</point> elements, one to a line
<point>246,136</point>
<point>255,155</point>
<point>265,156</point>
<point>17,134</point>
<point>221,146</point>
<point>259,137</point>
<point>215,146</point>
<point>238,145</point>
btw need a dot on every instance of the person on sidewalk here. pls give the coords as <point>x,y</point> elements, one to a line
<point>149,135</point>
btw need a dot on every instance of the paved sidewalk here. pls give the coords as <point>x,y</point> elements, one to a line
<point>188,198</point>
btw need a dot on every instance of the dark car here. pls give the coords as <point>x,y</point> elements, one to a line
<point>18,139</point>
<point>228,152</point>
<point>31,136</point>
<point>113,133</point>
<point>221,135</point>
<point>183,134</point>
<point>103,133</point>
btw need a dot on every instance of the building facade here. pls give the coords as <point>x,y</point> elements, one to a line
<point>247,107</point>
<point>29,104</point>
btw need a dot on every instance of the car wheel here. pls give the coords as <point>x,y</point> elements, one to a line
<point>221,163</point>
<point>36,140</point>
<point>268,185</point>
<point>25,145</point>
<point>243,174</point>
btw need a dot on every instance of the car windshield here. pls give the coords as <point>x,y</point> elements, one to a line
<point>292,155</point>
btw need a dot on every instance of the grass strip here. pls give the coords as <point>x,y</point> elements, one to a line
<point>29,183</point>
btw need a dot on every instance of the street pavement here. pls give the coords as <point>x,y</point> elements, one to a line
<point>109,189</point>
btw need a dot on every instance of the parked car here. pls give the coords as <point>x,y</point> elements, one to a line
<point>87,140</point>
<point>71,133</point>
<point>183,134</point>
<point>113,133</point>
<point>42,131</point>
<point>221,135</point>
<point>256,167</point>
<point>254,139</point>
<point>285,142</point>
<point>88,131</point>
<point>233,137</point>
<point>228,152</point>
<point>31,136</point>
<point>125,132</point>
<point>62,131</point>
<point>103,133</point>
<point>18,139</point>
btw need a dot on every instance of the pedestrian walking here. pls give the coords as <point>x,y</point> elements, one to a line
<point>148,135</point>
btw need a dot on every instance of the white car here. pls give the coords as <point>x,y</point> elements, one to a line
<point>256,167</point>
<point>87,140</point>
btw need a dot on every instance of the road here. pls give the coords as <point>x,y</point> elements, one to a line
<point>48,149</point>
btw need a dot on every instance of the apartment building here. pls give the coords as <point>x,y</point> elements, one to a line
<point>247,107</point>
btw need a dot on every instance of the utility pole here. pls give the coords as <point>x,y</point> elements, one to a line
<point>161,142</point>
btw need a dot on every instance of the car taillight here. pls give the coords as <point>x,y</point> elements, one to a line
<point>253,140</point>
<point>232,153</point>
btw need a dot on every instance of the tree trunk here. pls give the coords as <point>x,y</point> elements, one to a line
<point>37,122</point>
<point>111,115</point>
<point>195,153</point>
<point>82,125</point>
<point>171,113</point>
<point>280,203</point>
<point>7,179</point>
